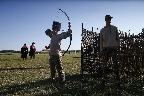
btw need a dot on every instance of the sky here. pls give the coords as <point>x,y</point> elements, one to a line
<point>25,21</point>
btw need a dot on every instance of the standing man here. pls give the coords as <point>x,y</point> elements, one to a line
<point>32,51</point>
<point>24,52</point>
<point>109,43</point>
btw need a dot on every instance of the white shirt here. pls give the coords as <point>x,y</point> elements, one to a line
<point>109,37</point>
<point>55,43</point>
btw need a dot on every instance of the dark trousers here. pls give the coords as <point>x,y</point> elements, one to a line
<point>111,53</point>
<point>56,65</point>
<point>24,56</point>
<point>32,55</point>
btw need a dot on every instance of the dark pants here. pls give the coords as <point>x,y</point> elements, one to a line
<point>111,53</point>
<point>56,64</point>
<point>32,55</point>
<point>24,56</point>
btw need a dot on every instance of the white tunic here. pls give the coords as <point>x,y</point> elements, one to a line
<point>109,37</point>
<point>55,43</point>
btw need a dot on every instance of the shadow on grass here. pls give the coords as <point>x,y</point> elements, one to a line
<point>76,57</point>
<point>76,85</point>
<point>22,68</point>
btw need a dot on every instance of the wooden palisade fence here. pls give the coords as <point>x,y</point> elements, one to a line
<point>130,54</point>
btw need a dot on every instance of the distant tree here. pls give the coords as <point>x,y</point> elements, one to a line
<point>4,51</point>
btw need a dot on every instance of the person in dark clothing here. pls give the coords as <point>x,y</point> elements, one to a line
<point>24,52</point>
<point>32,51</point>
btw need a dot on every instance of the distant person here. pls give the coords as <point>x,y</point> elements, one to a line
<point>24,52</point>
<point>32,51</point>
<point>109,43</point>
<point>55,50</point>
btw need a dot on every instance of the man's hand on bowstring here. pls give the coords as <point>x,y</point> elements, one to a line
<point>69,31</point>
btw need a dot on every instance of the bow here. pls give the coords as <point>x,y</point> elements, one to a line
<point>69,26</point>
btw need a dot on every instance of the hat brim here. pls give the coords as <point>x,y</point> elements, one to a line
<point>108,17</point>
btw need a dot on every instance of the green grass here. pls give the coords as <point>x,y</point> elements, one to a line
<point>31,78</point>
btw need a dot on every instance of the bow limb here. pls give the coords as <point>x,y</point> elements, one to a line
<point>69,28</point>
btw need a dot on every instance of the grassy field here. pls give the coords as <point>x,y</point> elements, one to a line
<point>31,78</point>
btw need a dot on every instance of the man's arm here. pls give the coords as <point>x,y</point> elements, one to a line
<point>101,42</point>
<point>117,37</point>
<point>48,32</point>
<point>64,35</point>
<point>27,50</point>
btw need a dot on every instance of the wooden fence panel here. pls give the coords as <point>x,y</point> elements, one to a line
<point>131,52</point>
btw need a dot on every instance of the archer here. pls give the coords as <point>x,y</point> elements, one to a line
<point>55,50</point>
